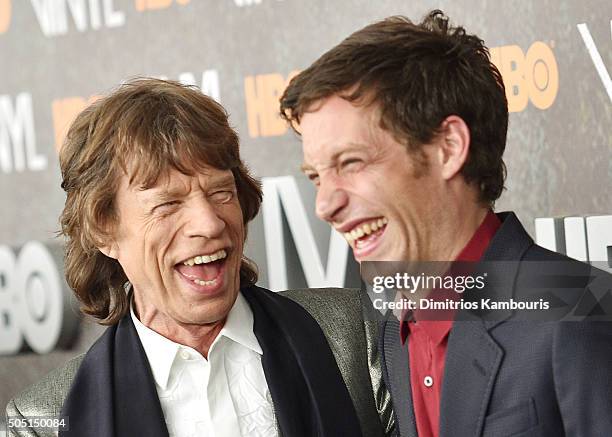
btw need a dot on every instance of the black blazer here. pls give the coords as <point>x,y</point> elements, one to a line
<point>515,378</point>
<point>113,392</point>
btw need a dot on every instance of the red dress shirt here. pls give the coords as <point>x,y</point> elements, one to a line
<point>428,342</point>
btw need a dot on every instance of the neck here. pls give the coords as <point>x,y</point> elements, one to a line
<point>458,224</point>
<point>198,337</point>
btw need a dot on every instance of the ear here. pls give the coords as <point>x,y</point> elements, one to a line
<point>454,141</point>
<point>111,251</point>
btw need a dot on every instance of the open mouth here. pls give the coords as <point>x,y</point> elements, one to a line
<point>366,232</point>
<point>204,270</point>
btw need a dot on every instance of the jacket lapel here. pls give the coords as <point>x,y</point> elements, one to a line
<point>473,358</point>
<point>472,361</point>
<point>89,403</point>
<point>113,393</point>
<point>396,370</point>
<point>137,407</point>
<point>308,392</point>
<point>283,377</point>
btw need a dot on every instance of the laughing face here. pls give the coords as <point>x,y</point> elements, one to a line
<point>382,198</point>
<point>180,244</point>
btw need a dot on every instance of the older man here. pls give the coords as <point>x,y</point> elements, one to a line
<point>157,207</point>
<point>403,128</point>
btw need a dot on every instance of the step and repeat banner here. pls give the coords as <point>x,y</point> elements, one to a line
<point>56,56</point>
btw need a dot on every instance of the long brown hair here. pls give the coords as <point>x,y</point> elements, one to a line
<point>142,129</point>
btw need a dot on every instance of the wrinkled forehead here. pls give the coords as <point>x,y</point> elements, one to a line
<point>149,167</point>
<point>173,177</point>
<point>337,126</point>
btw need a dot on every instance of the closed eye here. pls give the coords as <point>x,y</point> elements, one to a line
<point>166,206</point>
<point>351,164</point>
<point>222,196</point>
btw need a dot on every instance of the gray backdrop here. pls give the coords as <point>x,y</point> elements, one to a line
<point>55,54</point>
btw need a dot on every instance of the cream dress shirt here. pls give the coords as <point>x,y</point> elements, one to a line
<point>224,396</point>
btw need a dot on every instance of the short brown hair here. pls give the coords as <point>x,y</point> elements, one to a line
<point>144,128</point>
<point>418,74</point>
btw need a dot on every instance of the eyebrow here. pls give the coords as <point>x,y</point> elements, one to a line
<point>223,181</point>
<point>305,167</point>
<point>351,147</point>
<point>162,194</point>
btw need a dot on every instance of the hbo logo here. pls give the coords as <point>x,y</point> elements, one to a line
<point>531,76</point>
<point>34,304</point>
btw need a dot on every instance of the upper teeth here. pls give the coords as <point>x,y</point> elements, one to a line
<point>203,259</point>
<point>365,229</point>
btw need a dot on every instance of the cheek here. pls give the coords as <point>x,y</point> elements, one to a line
<point>373,193</point>
<point>238,233</point>
<point>231,214</point>
<point>157,240</point>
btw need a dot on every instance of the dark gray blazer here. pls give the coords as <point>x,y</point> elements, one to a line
<point>514,378</point>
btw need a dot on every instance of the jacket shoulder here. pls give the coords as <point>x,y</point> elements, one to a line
<point>338,312</point>
<point>352,336</point>
<point>46,397</point>
<point>341,314</point>
<point>326,303</point>
<point>539,253</point>
<point>583,275</point>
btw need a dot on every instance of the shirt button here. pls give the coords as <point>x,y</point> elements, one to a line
<point>428,381</point>
<point>185,355</point>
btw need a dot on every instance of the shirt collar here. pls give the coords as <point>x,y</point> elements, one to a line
<point>162,351</point>
<point>479,242</point>
<point>473,251</point>
<point>239,325</point>
<point>436,330</point>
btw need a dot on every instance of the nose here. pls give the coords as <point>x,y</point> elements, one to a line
<point>203,220</point>
<point>331,199</point>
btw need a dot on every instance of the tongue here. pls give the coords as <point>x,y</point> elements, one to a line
<point>203,272</point>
